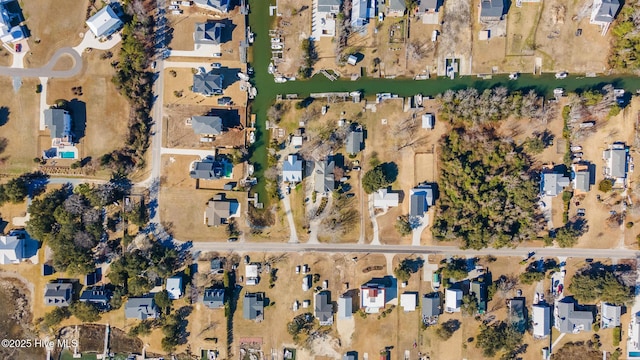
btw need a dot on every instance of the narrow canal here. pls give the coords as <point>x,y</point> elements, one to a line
<point>261,22</point>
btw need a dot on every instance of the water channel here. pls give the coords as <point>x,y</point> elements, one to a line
<point>261,22</point>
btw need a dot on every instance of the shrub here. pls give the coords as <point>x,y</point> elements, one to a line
<point>605,185</point>
<point>617,336</point>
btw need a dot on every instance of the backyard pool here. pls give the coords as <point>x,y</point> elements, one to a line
<point>67,155</point>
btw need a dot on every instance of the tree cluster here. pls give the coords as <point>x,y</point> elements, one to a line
<point>17,189</point>
<point>498,337</point>
<point>300,325</point>
<point>455,269</point>
<point>309,57</point>
<point>342,216</point>
<point>491,105</point>
<point>136,271</point>
<point>445,330</point>
<point>599,284</point>
<point>591,103</point>
<point>135,83</point>
<point>625,52</point>
<point>487,195</point>
<point>379,177</point>
<point>569,234</point>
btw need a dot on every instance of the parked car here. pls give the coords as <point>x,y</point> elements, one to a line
<point>18,48</point>
<point>581,212</point>
<point>217,55</point>
<point>153,65</point>
<point>173,7</point>
<point>216,65</point>
<point>175,3</point>
<point>232,239</point>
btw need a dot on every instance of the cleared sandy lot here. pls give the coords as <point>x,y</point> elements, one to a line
<point>181,84</point>
<point>180,134</point>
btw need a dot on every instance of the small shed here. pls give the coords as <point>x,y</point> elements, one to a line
<point>428,121</point>
<point>484,35</point>
<point>408,301</point>
<point>352,60</point>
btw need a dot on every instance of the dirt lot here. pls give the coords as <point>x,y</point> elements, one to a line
<point>184,25</point>
<point>102,113</point>
<point>183,81</point>
<point>187,222</point>
<point>5,57</point>
<point>181,135</point>
<point>53,24</point>
<point>19,114</point>
<point>295,25</point>
<point>456,39</point>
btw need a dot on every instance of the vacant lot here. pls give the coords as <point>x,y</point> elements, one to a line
<point>177,89</point>
<point>53,24</point>
<point>19,114</point>
<point>180,133</point>
<point>295,25</point>
<point>100,114</point>
<point>456,39</point>
<point>187,222</point>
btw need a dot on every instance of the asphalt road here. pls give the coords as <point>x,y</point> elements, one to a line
<point>408,249</point>
<point>47,70</point>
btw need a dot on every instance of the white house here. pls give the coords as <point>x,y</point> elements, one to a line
<point>251,274</point>
<point>408,301</point>
<point>104,23</point>
<point>372,297</point>
<point>174,287</point>
<point>452,300</point>
<point>292,169</point>
<point>383,199</point>
<point>345,307</point>
<point>11,250</point>
<point>541,320</point>
<point>616,163</point>
<point>324,18</point>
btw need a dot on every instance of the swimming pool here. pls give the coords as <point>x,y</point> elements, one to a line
<point>67,155</point>
<point>633,354</point>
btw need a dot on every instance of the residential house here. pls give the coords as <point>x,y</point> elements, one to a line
<point>359,13</point>
<point>99,296</point>
<point>141,308</point>
<point>384,199</point>
<point>355,142</point>
<point>11,250</point>
<point>603,12</point>
<point>253,306</point>
<point>428,121</point>
<point>569,320</point>
<point>350,356</point>
<point>581,178</point>
<point>213,298</point>
<point>58,293</point>
<point>323,176</point>
<point>609,315</point>
<point>408,301</point>
<point>323,308</point>
<point>251,274</point>
<point>396,8</point>
<point>518,314</point>
<point>616,161</point>
<point>217,266</point>
<point>553,184</point>
<point>479,290</point>
<point>292,169</point>
<point>633,345</point>
<point>207,84</point>
<point>491,10</point>
<point>207,36</point>
<point>207,125</point>
<point>541,320</point>
<point>174,287</point>
<point>58,121</point>
<point>10,29</point>
<point>372,296</point>
<point>215,5</point>
<point>431,308</point>
<point>324,22</point>
<point>427,6</point>
<point>220,209</point>
<point>420,198</point>
<point>452,300</point>
<point>105,22</point>
<point>209,169</point>
<point>345,307</point>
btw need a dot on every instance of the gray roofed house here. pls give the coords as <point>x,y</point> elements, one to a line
<point>355,142</point>
<point>323,308</point>
<point>207,170</point>
<point>58,121</point>
<point>219,210</point>
<point>396,8</point>
<point>329,6</point>
<point>105,22</point>
<point>323,177</point>
<point>207,84</point>
<point>349,356</point>
<point>616,158</point>
<point>345,307</point>
<point>217,5</point>
<point>479,290</point>
<point>141,308</point>
<point>553,184</point>
<point>569,320</point>
<point>217,266</point>
<point>604,11</point>
<point>292,169</point>
<point>609,315</point>
<point>213,298</point>
<point>208,33</point>
<point>98,296</point>
<point>359,13</point>
<point>206,125</point>
<point>541,320</point>
<point>491,9</point>
<point>581,181</point>
<point>58,294</point>
<point>253,306</point>
<point>421,197</point>
<point>518,313</point>
<point>427,5</point>
<point>431,306</point>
